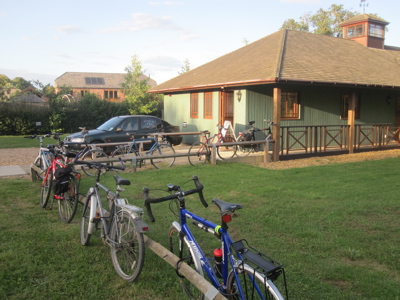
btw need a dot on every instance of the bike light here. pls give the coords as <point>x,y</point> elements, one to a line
<point>226,218</point>
<point>146,228</point>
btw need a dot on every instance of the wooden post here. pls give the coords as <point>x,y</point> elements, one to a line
<point>203,285</point>
<point>277,120</point>
<point>214,154</point>
<point>351,116</point>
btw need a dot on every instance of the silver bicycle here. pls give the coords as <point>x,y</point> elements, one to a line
<point>121,226</point>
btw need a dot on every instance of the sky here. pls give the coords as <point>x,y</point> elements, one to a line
<point>43,39</point>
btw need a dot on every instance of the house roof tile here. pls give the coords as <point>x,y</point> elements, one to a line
<point>111,80</point>
<point>289,55</point>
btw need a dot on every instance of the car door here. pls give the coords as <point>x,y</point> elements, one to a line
<point>125,130</point>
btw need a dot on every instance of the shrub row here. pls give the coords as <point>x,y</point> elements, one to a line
<point>58,116</point>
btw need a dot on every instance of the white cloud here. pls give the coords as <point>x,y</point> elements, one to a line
<point>29,37</point>
<point>143,21</point>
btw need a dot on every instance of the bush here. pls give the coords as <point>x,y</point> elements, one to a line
<point>59,116</point>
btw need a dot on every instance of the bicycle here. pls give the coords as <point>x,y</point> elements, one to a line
<point>121,227</point>
<point>162,153</point>
<point>249,135</point>
<point>89,154</point>
<point>43,160</point>
<point>237,270</point>
<point>199,152</point>
<point>65,184</point>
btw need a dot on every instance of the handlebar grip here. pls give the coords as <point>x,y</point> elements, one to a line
<point>147,204</point>
<point>200,187</point>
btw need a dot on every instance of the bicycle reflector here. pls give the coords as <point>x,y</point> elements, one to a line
<point>226,218</point>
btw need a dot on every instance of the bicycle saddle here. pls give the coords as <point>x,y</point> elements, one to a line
<point>121,181</point>
<point>226,207</point>
<point>251,123</point>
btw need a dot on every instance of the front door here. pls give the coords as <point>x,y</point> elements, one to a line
<point>226,105</point>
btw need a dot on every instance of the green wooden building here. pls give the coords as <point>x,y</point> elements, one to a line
<point>324,93</point>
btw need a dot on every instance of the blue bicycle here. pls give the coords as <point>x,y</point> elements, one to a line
<point>161,153</point>
<point>237,270</point>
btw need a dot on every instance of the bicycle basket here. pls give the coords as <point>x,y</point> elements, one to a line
<point>62,176</point>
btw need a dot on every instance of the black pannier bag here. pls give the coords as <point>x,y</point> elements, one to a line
<point>62,176</point>
<point>247,136</point>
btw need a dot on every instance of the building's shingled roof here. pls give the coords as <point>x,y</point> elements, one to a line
<point>364,17</point>
<point>111,80</point>
<point>293,56</point>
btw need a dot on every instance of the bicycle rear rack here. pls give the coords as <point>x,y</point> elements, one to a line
<point>260,262</point>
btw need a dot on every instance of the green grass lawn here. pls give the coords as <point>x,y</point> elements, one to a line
<point>21,142</point>
<point>335,228</point>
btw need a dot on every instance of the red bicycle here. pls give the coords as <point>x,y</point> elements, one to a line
<point>64,182</point>
<point>200,152</point>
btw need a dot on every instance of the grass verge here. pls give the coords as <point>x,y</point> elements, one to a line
<point>335,228</point>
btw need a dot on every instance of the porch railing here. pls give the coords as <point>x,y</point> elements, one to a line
<point>325,138</point>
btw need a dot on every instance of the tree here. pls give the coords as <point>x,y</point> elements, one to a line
<point>186,67</point>
<point>135,89</point>
<point>324,22</point>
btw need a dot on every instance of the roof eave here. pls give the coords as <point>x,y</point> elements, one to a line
<point>215,85</point>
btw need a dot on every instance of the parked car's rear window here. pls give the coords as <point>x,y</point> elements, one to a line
<point>149,123</point>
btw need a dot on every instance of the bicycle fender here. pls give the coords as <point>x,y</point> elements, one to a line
<point>123,204</point>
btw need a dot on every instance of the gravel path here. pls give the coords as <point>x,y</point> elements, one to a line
<point>18,156</point>
<point>26,156</point>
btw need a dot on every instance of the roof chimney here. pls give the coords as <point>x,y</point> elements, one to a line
<point>366,29</point>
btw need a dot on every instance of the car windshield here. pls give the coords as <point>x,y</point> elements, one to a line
<point>110,124</point>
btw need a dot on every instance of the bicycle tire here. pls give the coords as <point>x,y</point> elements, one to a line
<point>85,222</point>
<point>90,156</point>
<point>198,154</point>
<point>226,152</point>
<point>69,203</point>
<point>127,248</point>
<point>162,149</point>
<point>126,153</point>
<point>45,191</point>
<point>243,150</point>
<point>247,276</point>
<point>178,246</point>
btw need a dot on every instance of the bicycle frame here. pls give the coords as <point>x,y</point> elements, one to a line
<point>136,149</point>
<point>120,204</point>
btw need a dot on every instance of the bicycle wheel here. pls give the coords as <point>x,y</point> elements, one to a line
<point>68,202</point>
<point>45,192</point>
<point>126,153</point>
<point>225,152</point>
<point>243,150</point>
<point>178,246</point>
<point>90,156</point>
<point>85,235</point>
<point>254,285</point>
<point>127,248</point>
<point>198,153</point>
<point>165,150</point>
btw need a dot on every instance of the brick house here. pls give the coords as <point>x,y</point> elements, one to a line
<point>106,86</point>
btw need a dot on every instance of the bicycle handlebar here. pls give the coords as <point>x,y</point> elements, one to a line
<point>179,194</point>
